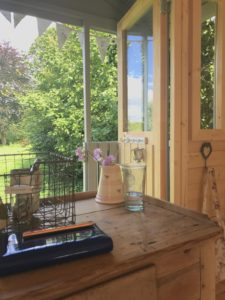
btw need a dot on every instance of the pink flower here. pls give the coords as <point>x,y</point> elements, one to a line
<point>80,153</point>
<point>109,160</point>
<point>97,154</point>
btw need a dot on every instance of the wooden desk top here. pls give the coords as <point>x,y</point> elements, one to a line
<point>137,237</point>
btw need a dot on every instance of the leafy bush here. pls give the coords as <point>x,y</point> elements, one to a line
<point>53,116</point>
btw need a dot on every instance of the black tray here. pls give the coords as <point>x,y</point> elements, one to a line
<point>17,254</point>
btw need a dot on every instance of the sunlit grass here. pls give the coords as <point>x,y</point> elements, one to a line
<point>7,163</point>
<point>14,149</point>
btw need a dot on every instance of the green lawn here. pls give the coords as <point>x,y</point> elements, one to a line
<point>13,149</point>
<point>7,163</point>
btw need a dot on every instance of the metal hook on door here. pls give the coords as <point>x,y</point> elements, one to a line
<point>206,150</point>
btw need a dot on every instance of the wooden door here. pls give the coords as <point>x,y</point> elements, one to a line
<point>197,98</point>
<point>142,35</point>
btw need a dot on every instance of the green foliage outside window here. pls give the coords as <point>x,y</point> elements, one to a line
<point>13,80</point>
<point>208,72</point>
<point>53,116</point>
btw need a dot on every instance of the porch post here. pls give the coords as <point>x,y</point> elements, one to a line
<point>87,96</point>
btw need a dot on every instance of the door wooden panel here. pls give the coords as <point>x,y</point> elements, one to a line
<point>155,146</point>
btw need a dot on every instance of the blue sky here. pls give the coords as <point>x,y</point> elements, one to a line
<point>135,76</point>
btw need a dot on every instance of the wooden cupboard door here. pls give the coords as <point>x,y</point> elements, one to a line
<point>183,285</point>
<point>138,285</point>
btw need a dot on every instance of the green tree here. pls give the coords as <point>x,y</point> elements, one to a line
<point>53,116</point>
<point>13,80</point>
<point>53,109</point>
<point>104,91</point>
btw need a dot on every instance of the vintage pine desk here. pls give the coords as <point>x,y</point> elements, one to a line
<point>164,253</point>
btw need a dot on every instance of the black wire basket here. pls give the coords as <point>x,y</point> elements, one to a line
<point>37,190</point>
<point>37,214</point>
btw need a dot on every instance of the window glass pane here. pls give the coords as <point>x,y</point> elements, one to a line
<point>140,74</point>
<point>150,84</point>
<point>208,65</point>
<point>135,82</point>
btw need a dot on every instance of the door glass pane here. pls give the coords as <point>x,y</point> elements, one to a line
<point>208,65</point>
<point>140,74</point>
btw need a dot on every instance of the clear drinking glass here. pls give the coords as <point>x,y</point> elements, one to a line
<point>133,176</point>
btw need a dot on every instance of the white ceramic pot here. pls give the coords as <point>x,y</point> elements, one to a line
<point>110,188</point>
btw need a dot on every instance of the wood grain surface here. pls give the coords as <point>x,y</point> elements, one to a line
<point>159,235</point>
